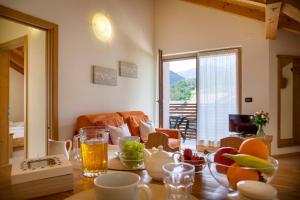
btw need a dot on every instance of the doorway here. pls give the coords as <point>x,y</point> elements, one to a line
<point>48,75</point>
<point>13,95</point>
<point>180,104</point>
<point>199,92</point>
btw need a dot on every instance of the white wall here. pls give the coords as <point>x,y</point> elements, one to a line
<point>16,96</point>
<point>79,49</point>
<point>36,82</point>
<point>184,27</point>
<point>286,44</point>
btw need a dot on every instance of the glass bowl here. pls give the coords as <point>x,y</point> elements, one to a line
<point>228,176</point>
<point>131,164</point>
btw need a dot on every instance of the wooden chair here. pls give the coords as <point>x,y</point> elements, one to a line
<point>156,139</point>
<point>233,141</point>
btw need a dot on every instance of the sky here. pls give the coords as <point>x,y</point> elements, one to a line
<point>182,65</point>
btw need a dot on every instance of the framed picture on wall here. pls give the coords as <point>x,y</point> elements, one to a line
<point>104,76</point>
<point>127,69</point>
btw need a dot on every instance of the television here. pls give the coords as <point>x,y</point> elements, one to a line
<point>242,124</point>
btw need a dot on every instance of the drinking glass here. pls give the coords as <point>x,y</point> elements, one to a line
<point>178,180</point>
<point>94,144</point>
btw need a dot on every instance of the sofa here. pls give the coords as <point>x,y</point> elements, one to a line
<point>131,118</point>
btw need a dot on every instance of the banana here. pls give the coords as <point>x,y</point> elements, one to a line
<point>253,162</point>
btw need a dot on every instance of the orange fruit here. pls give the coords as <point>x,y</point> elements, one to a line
<point>254,147</point>
<point>235,174</point>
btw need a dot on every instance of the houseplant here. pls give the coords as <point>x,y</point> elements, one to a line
<point>260,119</point>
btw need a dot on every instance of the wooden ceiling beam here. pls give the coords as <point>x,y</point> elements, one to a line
<point>18,52</point>
<point>16,59</point>
<point>240,7</point>
<point>17,68</point>
<point>232,8</point>
<point>291,11</point>
<point>249,4</point>
<point>258,1</point>
<point>295,3</point>
<point>272,19</point>
<point>265,1</point>
<point>288,24</point>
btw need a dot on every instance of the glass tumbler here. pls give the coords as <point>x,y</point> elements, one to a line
<point>178,180</point>
<point>93,143</point>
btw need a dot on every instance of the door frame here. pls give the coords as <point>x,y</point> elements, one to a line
<point>51,30</point>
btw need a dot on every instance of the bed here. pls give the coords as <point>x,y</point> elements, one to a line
<point>17,131</point>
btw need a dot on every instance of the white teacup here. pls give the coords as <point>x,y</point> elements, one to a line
<point>119,185</point>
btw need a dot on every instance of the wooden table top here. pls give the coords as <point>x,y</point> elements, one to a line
<point>205,186</point>
<point>286,180</point>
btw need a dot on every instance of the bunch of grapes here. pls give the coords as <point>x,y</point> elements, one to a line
<point>133,153</point>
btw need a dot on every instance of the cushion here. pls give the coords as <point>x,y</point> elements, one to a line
<point>174,143</point>
<point>116,121</point>
<point>133,124</point>
<point>128,114</point>
<point>118,132</point>
<point>145,128</point>
<point>92,120</point>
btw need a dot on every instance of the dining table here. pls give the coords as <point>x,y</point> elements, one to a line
<point>204,187</point>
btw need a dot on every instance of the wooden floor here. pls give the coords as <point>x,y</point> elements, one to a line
<point>289,174</point>
<point>287,181</point>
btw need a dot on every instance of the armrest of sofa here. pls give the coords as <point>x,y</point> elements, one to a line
<point>172,133</point>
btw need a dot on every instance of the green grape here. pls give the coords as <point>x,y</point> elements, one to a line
<point>133,153</point>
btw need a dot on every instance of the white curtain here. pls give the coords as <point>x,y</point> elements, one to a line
<point>217,95</point>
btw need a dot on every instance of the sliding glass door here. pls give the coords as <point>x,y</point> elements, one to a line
<point>179,104</point>
<point>218,94</point>
<point>198,93</point>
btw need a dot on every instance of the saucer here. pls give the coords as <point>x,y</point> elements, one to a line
<point>158,193</point>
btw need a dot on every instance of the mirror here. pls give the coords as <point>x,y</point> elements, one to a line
<point>28,103</point>
<point>288,100</point>
<point>27,110</point>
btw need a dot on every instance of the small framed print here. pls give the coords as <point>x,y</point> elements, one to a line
<point>104,76</point>
<point>127,69</point>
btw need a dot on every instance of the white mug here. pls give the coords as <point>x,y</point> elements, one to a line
<point>119,186</point>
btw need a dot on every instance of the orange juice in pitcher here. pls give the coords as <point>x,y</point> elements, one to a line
<point>94,155</point>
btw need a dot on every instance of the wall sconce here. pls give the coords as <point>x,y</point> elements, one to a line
<point>102,27</point>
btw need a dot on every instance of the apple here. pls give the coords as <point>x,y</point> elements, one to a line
<point>188,154</point>
<point>222,160</point>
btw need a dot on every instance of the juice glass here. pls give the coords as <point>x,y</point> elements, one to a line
<point>94,155</point>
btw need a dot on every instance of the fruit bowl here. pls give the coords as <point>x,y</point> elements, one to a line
<point>228,176</point>
<point>199,163</point>
<point>194,158</point>
<point>130,164</point>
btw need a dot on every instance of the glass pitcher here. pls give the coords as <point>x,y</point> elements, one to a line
<point>93,143</point>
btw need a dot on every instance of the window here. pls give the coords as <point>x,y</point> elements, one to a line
<point>218,91</point>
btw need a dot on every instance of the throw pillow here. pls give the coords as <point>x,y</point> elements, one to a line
<point>118,132</point>
<point>133,124</point>
<point>145,129</point>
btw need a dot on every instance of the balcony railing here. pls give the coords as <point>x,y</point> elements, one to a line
<point>189,111</point>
